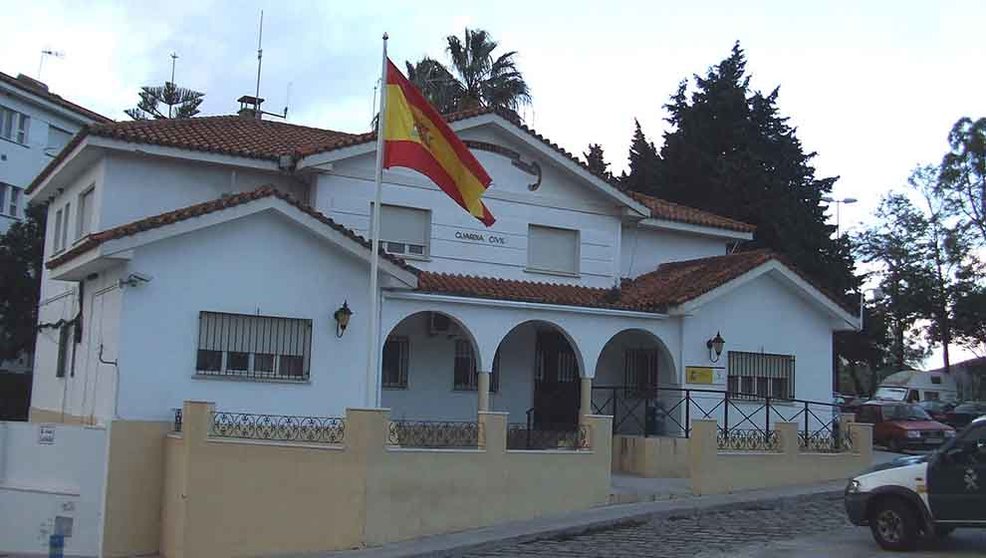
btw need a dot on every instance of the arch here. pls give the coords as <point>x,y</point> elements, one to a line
<point>534,375</point>
<point>636,381</point>
<point>420,375</point>
<point>459,323</point>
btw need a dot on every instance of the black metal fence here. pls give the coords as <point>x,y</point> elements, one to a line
<point>176,425</point>
<point>434,434</point>
<point>523,436</point>
<point>283,428</point>
<point>745,421</point>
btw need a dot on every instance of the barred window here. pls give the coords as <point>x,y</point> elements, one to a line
<point>761,375</point>
<point>394,364</point>
<point>465,374</point>
<point>256,347</point>
<point>640,370</point>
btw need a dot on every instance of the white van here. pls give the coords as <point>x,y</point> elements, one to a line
<point>915,385</point>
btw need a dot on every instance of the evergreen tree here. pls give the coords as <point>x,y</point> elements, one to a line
<point>596,160</point>
<point>730,151</point>
<point>181,102</point>
<point>645,164</point>
<point>963,174</point>
<point>21,253</point>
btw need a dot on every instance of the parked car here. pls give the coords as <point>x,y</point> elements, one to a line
<point>938,410</point>
<point>964,413</point>
<point>927,495</point>
<point>900,426</point>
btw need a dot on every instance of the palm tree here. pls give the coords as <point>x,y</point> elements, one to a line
<point>474,77</point>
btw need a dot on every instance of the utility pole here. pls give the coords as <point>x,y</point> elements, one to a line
<point>174,59</point>
<point>838,204</point>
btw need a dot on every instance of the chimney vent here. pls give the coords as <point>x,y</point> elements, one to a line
<point>32,83</point>
<point>250,106</point>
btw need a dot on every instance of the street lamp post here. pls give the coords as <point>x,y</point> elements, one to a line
<point>838,203</point>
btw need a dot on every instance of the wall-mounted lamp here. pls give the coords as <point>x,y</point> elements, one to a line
<point>715,346</point>
<point>342,316</point>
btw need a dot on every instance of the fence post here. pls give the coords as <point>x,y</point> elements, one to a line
<point>527,433</point>
<point>616,415</point>
<point>806,423</point>
<point>766,429</point>
<point>688,413</point>
<point>725,411</point>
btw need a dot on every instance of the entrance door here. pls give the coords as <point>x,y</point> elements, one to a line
<point>957,479</point>
<point>556,382</point>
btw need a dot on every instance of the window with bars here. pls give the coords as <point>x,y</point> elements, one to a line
<point>253,347</point>
<point>465,374</point>
<point>760,375</point>
<point>641,371</point>
<point>394,363</point>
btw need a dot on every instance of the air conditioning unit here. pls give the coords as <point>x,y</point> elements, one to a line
<point>439,323</point>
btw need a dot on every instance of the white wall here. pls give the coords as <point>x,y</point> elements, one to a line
<point>644,249</point>
<point>39,482</point>
<point>346,192</point>
<point>140,186</point>
<point>258,264</point>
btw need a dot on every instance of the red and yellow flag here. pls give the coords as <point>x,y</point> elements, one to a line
<point>417,137</point>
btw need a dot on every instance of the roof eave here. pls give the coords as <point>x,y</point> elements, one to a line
<point>704,230</point>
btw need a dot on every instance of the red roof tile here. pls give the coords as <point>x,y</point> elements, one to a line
<point>95,239</point>
<point>41,91</point>
<point>670,285</point>
<point>663,209</point>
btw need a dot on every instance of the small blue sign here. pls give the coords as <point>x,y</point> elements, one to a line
<point>56,546</point>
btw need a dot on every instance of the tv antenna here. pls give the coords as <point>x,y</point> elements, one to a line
<point>252,103</point>
<point>46,53</point>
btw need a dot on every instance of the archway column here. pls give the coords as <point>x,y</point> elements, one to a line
<point>585,403</point>
<point>483,387</point>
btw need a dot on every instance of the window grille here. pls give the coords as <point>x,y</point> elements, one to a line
<point>395,360</point>
<point>641,371</point>
<point>255,347</point>
<point>761,375</point>
<point>465,374</point>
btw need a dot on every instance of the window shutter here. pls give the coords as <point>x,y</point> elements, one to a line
<point>553,249</point>
<point>404,224</point>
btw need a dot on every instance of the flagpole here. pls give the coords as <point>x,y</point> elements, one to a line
<point>374,333</point>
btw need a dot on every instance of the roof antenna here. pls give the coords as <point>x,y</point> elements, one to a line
<point>45,53</point>
<point>174,59</point>
<point>260,58</point>
<point>250,105</point>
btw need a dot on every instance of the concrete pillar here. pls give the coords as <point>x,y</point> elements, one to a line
<point>483,386</point>
<point>493,431</point>
<point>585,404</point>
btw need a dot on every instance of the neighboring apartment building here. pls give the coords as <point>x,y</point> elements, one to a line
<point>184,254</point>
<point>35,125</point>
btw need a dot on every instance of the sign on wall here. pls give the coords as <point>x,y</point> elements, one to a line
<point>46,434</point>
<point>709,375</point>
<point>484,238</point>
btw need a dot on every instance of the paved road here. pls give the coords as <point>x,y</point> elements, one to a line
<point>816,527</point>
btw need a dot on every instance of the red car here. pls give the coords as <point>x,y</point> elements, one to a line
<point>900,426</point>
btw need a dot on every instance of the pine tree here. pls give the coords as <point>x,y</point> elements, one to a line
<point>730,151</point>
<point>596,160</point>
<point>181,102</point>
<point>645,164</point>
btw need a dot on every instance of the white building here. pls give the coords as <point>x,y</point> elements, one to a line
<point>205,259</point>
<point>34,126</point>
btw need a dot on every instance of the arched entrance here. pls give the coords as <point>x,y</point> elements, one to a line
<point>429,369</point>
<point>538,370</point>
<point>636,382</point>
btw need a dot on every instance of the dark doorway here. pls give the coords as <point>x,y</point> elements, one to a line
<point>556,382</point>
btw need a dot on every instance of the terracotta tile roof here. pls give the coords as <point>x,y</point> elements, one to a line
<point>40,91</point>
<point>95,239</point>
<point>670,285</point>
<point>663,209</point>
<point>265,139</point>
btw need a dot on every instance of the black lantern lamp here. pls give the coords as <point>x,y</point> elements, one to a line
<point>342,316</point>
<point>715,346</point>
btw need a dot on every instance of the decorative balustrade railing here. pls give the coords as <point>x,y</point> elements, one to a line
<point>176,425</point>
<point>281,428</point>
<point>522,436</point>
<point>434,434</point>
<point>741,417</point>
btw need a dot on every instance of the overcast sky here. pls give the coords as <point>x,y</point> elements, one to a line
<point>873,87</point>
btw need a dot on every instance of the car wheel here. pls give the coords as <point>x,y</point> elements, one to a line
<point>942,531</point>
<point>894,524</point>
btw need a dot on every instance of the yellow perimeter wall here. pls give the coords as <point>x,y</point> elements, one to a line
<point>713,471</point>
<point>243,498</point>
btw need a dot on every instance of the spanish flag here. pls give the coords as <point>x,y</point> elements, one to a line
<point>417,137</point>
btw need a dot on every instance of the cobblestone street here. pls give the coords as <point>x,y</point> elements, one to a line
<point>703,534</point>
